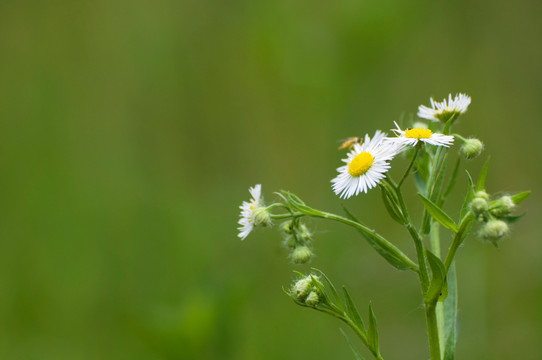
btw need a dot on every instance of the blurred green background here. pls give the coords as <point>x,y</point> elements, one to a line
<point>131,131</point>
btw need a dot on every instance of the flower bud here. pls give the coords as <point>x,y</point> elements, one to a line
<point>287,227</point>
<point>302,287</point>
<point>301,255</point>
<point>502,206</point>
<point>482,194</point>
<point>478,206</point>
<point>303,234</point>
<point>312,299</point>
<point>290,241</point>
<point>472,148</point>
<point>262,217</point>
<point>494,230</point>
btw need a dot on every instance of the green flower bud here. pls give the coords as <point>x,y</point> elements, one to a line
<point>478,206</point>
<point>302,287</point>
<point>494,230</point>
<point>312,299</point>
<point>303,234</point>
<point>482,194</point>
<point>502,206</point>
<point>472,148</point>
<point>301,255</point>
<point>290,241</point>
<point>262,217</point>
<point>287,227</point>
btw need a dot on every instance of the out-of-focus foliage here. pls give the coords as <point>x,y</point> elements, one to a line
<point>131,131</point>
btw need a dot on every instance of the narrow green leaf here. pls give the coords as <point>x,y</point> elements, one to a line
<point>437,285</point>
<point>352,311</point>
<point>519,197</point>
<point>439,181</point>
<point>388,251</point>
<point>295,202</point>
<point>450,316</point>
<point>453,179</point>
<point>422,165</point>
<point>468,196</point>
<point>336,298</point>
<point>512,219</point>
<point>372,333</point>
<point>438,214</point>
<point>420,184</point>
<point>392,206</point>
<point>480,185</point>
<point>354,350</point>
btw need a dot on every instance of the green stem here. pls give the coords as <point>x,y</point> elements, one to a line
<point>436,167</point>
<point>285,216</point>
<point>418,242</point>
<point>458,239</point>
<point>432,331</point>
<point>407,172</point>
<point>435,248</point>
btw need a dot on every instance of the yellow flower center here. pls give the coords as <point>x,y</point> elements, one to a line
<point>360,164</point>
<point>418,133</point>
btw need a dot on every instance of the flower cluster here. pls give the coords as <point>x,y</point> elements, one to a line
<point>297,239</point>
<point>495,216</point>
<point>368,161</point>
<point>365,165</point>
<point>307,290</point>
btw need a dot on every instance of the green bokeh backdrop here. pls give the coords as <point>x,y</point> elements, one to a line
<point>131,131</point>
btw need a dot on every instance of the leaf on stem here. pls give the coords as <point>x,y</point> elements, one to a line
<point>520,197</point>
<point>328,282</point>
<point>450,316</point>
<point>438,214</point>
<point>372,333</point>
<point>390,253</point>
<point>352,312</point>
<point>296,203</point>
<point>354,350</point>
<point>481,184</point>
<point>468,196</point>
<point>392,206</point>
<point>420,184</point>
<point>453,179</point>
<point>437,286</point>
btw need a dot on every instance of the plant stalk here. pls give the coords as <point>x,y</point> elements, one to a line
<point>432,331</point>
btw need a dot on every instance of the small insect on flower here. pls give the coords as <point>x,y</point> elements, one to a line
<point>412,136</point>
<point>349,142</point>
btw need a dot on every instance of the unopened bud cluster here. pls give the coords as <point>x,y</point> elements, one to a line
<point>493,216</point>
<point>307,290</point>
<point>297,239</point>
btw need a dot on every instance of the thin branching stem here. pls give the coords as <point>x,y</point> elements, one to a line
<point>407,172</point>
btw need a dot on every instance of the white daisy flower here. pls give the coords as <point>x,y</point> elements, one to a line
<point>253,213</point>
<point>366,165</point>
<point>443,111</point>
<point>412,136</point>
